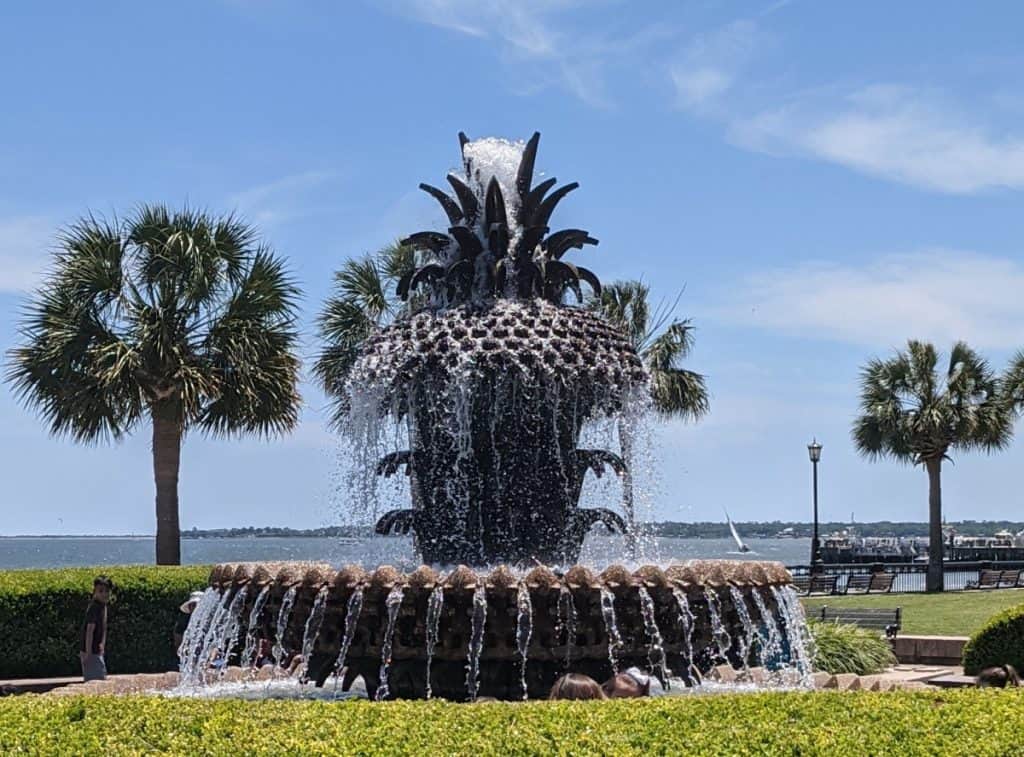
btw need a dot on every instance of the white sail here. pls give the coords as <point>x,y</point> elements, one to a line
<point>739,542</point>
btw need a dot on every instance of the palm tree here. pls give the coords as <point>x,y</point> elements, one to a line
<point>182,317</point>
<point>915,413</point>
<point>662,342</point>
<point>365,298</point>
<point>1013,383</point>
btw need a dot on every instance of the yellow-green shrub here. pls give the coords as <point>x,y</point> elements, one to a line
<point>968,722</point>
<point>845,648</point>
<point>41,613</point>
<point>999,642</point>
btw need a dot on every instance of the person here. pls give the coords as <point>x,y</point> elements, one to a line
<point>184,616</point>
<point>93,648</point>
<point>631,684</point>
<point>999,677</point>
<point>576,686</point>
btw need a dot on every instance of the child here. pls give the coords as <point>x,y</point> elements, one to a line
<point>94,631</point>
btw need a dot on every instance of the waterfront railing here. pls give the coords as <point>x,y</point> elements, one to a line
<point>910,576</point>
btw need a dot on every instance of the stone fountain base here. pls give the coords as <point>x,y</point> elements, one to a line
<point>499,634</point>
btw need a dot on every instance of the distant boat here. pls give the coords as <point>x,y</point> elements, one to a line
<point>740,546</point>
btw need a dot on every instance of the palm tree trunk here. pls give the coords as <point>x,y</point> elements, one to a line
<point>934,579</point>
<point>626,451</point>
<point>166,462</point>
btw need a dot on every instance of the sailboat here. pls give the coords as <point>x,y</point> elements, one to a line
<point>740,546</point>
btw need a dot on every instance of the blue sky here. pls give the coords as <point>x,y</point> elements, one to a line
<point>824,179</point>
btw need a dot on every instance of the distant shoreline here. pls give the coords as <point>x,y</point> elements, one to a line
<point>671,529</point>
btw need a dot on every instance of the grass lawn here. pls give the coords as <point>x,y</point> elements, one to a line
<point>955,613</point>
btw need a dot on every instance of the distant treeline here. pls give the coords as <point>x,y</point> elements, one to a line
<point>701,530</point>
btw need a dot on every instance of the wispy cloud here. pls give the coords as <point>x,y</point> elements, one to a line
<point>279,200</point>
<point>893,132</point>
<point>938,295</point>
<point>23,251</point>
<point>707,67</point>
<point>545,33</point>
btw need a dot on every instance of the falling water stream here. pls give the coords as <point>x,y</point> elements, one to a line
<point>686,622</point>
<point>476,641</point>
<point>251,651</point>
<point>393,604</point>
<point>748,640</point>
<point>355,606</point>
<point>282,623</point>
<point>191,649</point>
<point>655,644</point>
<point>798,636</point>
<point>312,630</point>
<point>434,605</point>
<point>524,629</point>
<point>723,641</point>
<point>567,618</point>
<point>611,627</point>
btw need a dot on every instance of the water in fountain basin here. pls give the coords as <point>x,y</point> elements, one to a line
<point>282,623</point>
<point>192,642</point>
<point>686,622</point>
<point>567,619</point>
<point>476,641</point>
<point>434,605</point>
<point>251,651</point>
<point>719,633</point>
<point>655,645</point>
<point>355,606</point>
<point>611,627</point>
<point>312,630</point>
<point>393,603</point>
<point>524,629</point>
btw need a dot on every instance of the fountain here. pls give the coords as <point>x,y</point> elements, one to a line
<point>491,377</point>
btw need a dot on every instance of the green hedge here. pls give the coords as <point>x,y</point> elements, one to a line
<point>967,722</point>
<point>844,648</point>
<point>1000,641</point>
<point>41,613</point>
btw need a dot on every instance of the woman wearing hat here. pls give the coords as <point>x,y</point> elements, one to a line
<point>184,616</point>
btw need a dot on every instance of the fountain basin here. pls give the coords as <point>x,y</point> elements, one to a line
<point>500,633</point>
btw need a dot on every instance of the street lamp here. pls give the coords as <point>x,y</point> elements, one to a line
<point>814,452</point>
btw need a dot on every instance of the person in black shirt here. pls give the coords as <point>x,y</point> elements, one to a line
<point>94,631</point>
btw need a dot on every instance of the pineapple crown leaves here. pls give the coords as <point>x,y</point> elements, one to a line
<point>496,250</point>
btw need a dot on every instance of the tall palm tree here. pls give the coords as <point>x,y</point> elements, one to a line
<point>662,342</point>
<point>365,297</point>
<point>914,412</point>
<point>181,317</point>
<point>1013,383</point>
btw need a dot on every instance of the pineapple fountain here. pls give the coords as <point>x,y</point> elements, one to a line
<point>490,378</point>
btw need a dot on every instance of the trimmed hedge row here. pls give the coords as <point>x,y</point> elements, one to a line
<point>41,614</point>
<point>967,722</point>
<point>999,642</point>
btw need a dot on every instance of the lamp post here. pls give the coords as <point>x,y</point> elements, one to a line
<point>814,452</point>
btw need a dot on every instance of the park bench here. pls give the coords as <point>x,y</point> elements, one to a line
<point>989,579</point>
<point>869,583</point>
<point>889,621</point>
<point>819,584</point>
<point>1009,578</point>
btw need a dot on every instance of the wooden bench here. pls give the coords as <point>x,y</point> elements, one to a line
<point>888,621</point>
<point>1009,578</point>
<point>869,583</point>
<point>989,579</point>
<point>819,584</point>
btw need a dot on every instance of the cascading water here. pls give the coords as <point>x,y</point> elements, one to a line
<point>748,641</point>
<point>769,635</point>
<point>655,645</point>
<point>354,607</point>
<point>797,637</point>
<point>567,621</point>
<point>476,641</point>
<point>434,606</point>
<point>719,633</point>
<point>393,604</point>
<point>611,627</point>
<point>251,651</point>
<point>233,626</point>
<point>312,630</point>
<point>282,624</point>
<point>524,630</point>
<point>191,649</point>
<point>686,623</point>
